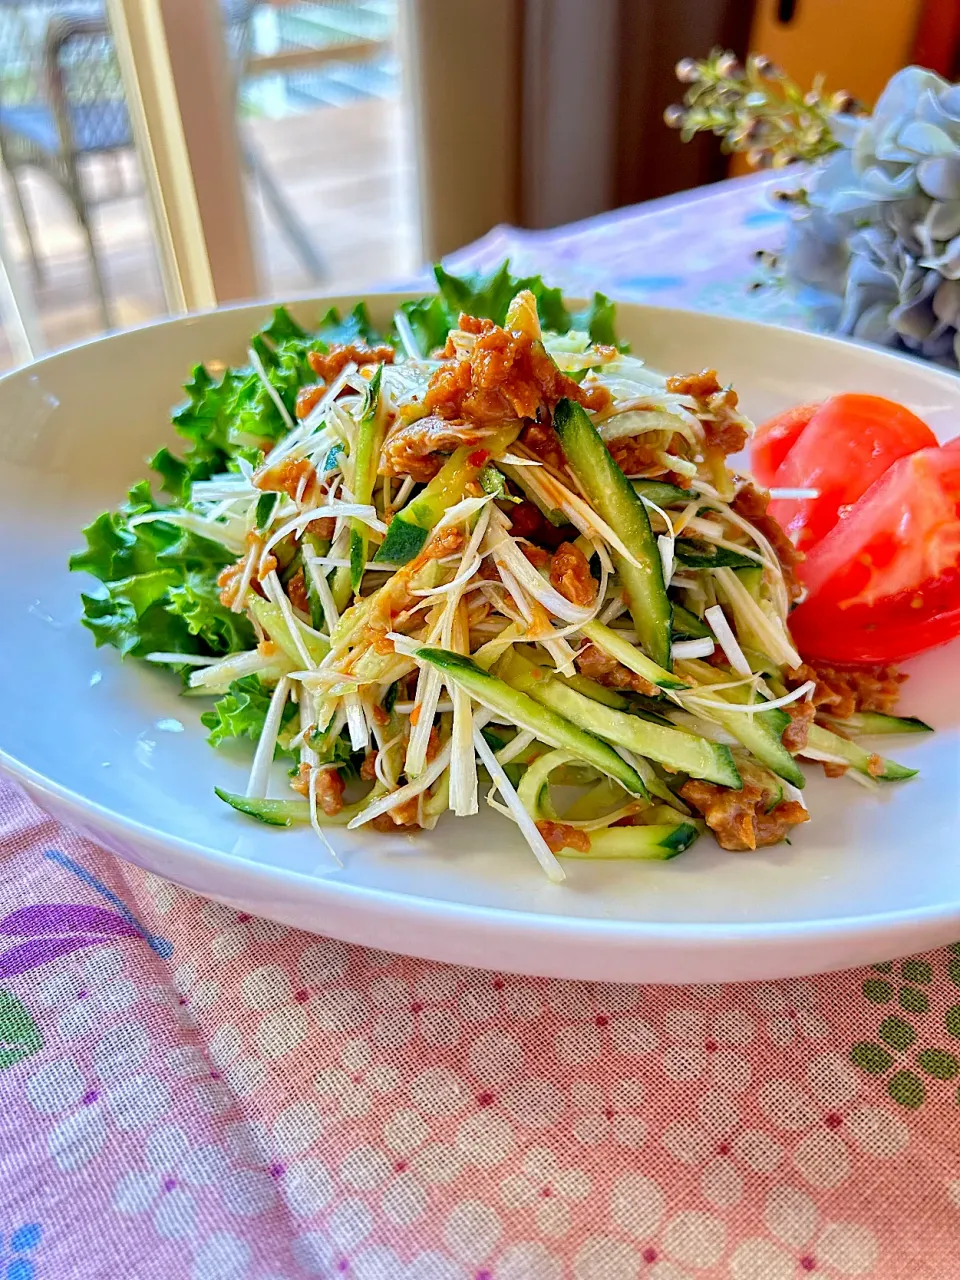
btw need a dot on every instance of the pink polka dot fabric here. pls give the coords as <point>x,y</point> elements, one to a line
<point>194,1092</point>
<point>190,1093</point>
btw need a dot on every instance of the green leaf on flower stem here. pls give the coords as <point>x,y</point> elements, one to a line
<point>19,1034</point>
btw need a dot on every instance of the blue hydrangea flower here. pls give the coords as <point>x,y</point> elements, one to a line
<point>876,245</point>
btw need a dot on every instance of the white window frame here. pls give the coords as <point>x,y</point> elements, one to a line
<point>182,105</point>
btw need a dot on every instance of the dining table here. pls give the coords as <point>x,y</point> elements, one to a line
<point>192,1092</point>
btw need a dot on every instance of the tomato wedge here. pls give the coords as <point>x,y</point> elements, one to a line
<point>848,443</point>
<point>884,584</point>
<point>774,439</point>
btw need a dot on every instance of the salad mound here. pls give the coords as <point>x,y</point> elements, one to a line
<point>488,551</point>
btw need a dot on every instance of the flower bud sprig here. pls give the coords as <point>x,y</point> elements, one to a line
<point>756,109</point>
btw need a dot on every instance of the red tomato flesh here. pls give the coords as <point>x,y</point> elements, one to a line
<point>884,583</point>
<point>774,439</point>
<point>848,443</point>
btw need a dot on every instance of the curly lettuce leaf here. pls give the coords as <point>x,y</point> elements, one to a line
<point>336,751</point>
<point>158,583</point>
<point>114,550</point>
<point>196,600</point>
<point>282,326</point>
<point>129,614</point>
<point>355,326</point>
<point>241,713</point>
<point>489,295</point>
<point>204,422</point>
<point>158,586</point>
<point>288,368</point>
<point>283,347</point>
<point>430,319</point>
<point>235,415</point>
<point>599,320</point>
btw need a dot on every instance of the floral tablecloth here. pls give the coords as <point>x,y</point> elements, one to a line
<point>189,1093</point>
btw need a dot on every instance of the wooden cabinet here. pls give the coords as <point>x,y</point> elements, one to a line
<point>856,45</point>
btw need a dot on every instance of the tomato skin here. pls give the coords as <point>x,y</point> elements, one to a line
<point>829,634</point>
<point>907,642</point>
<point>848,444</point>
<point>884,584</point>
<point>774,439</point>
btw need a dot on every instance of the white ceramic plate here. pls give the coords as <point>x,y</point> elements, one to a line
<point>90,736</point>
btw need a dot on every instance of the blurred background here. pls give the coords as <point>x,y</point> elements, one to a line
<point>162,155</point>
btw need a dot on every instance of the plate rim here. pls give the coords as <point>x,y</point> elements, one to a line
<point>949,378</point>
<point>416,905</point>
<point>677,936</point>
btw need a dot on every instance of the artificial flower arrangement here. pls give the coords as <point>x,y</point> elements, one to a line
<point>874,239</point>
